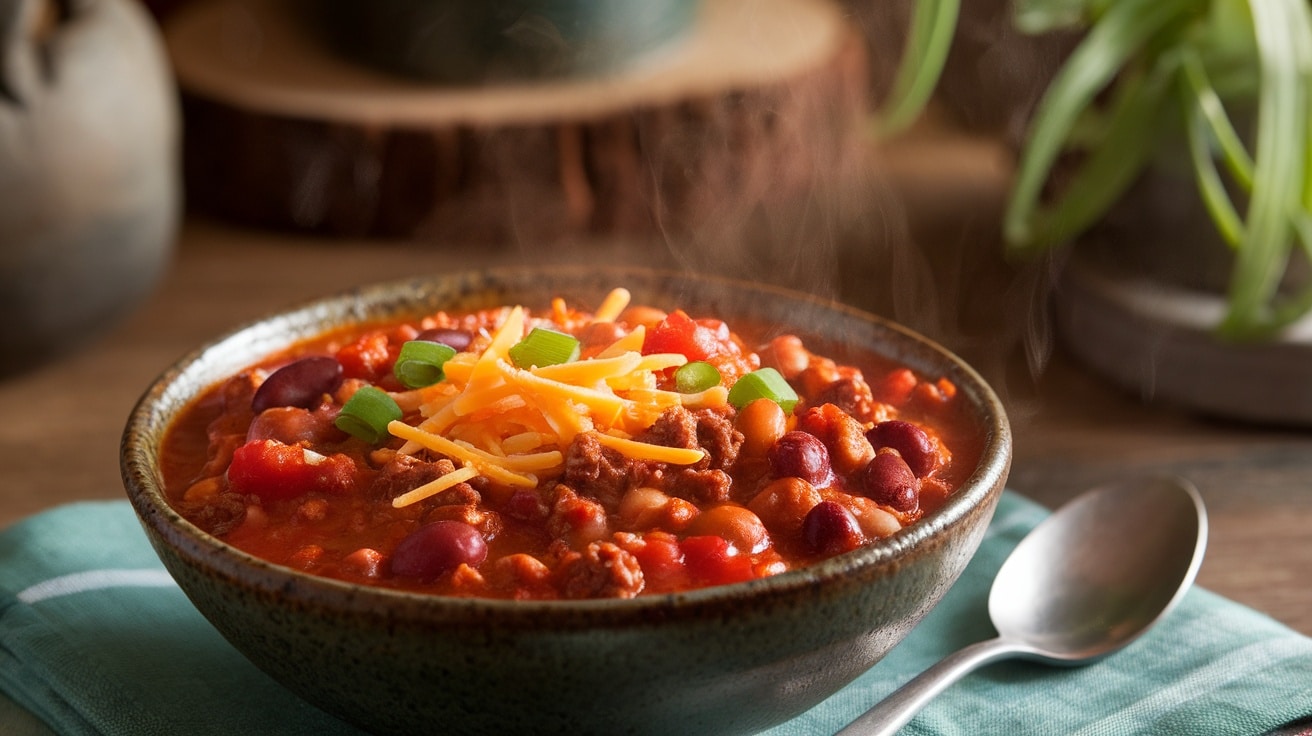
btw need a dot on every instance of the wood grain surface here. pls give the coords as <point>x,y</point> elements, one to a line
<point>749,111</point>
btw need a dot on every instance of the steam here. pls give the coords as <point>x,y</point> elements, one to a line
<point>781,184</point>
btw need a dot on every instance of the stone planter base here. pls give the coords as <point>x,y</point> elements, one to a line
<point>1157,339</point>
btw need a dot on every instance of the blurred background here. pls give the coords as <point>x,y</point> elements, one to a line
<point>732,136</point>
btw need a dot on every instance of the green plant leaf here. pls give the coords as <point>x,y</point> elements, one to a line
<point>1123,30</point>
<point>930,40</point>
<point>1296,307</point>
<point>1210,187</point>
<point>1128,142</point>
<point>1046,16</point>
<point>1280,172</point>
<point>1208,108</point>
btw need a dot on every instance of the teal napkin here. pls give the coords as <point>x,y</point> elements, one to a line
<point>96,639</point>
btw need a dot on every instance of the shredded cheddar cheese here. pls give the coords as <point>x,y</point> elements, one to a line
<point>435,487</point>
<point>512,425</point>
<point>611,307</point>
<point>486,462</point>
<point>647,451</point>
<point>630,343</point>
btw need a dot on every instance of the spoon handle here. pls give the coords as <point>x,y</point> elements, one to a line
<point>893,712</point>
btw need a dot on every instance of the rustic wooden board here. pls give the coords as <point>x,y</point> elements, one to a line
<point>762,99</point>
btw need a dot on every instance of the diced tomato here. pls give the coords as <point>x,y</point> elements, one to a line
<point>371,357</point>
<point>679,333</point>
<point>896,387</point>
<point>711,560</point>
<point>661,560</point>
<point>273,471</point>
<point>939,392</point>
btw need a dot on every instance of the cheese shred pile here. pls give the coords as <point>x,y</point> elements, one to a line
<point>512,425</point>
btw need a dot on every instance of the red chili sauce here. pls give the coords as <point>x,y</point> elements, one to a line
<point>531,492</point>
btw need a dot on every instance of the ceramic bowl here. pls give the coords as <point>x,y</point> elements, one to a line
<point>731,659</point>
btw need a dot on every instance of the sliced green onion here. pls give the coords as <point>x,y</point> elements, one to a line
<point>695,377</point>
<point>420,363</point>
<point>542,347</point>
<point>763,383</point>
<point>367,413</point>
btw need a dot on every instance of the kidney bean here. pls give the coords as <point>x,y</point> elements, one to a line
<point>435,549</point>
<point>915,446</point>
<point>800,455</point>
<point>457,340</point>
<point>888,480</point>
<point>875,521</point>
<point>830,529</point>
<point>290,425</point>
<point>299,384</point>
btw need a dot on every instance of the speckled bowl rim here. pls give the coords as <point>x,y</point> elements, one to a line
<point>169,393</point>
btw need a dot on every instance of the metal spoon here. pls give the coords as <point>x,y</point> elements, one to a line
<point>1088,580</point>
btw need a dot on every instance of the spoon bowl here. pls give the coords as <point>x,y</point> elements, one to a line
<point>1087,581</point>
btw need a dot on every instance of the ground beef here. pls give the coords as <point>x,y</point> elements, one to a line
<point>597,472</point>
<point>235,405</point>
<point>602,570</point>
<point>703,487</point>
<point>850,393</point>
<point>717,435</point>
<point>576,519</point>
<point>218,515</point>
<point>675,427</point>
<point>488,523</point>
<point>227,431</point>
<point>709,429</point>
<point>403,473</point>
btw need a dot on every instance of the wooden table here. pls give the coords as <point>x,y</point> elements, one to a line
<point>1071,429</point>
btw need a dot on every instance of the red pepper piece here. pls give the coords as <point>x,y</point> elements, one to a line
<point>661,560</point>
<point>370,357</point>
<point>679,333</point>
<point>711,560</point>
<point>274,471</point>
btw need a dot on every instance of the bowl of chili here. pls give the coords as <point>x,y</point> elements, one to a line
<point>572,499</point>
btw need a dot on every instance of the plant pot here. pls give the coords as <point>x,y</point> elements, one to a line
<point>89,171</point>
<point>1143,292</point>
<point>1140,298</point>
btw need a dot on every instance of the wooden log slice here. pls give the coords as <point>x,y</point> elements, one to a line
<point>746,115</point>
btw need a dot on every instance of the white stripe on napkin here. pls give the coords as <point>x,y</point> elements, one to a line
<point>79,582</point>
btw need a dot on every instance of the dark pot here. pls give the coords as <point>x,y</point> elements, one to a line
<point>456,41</point>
